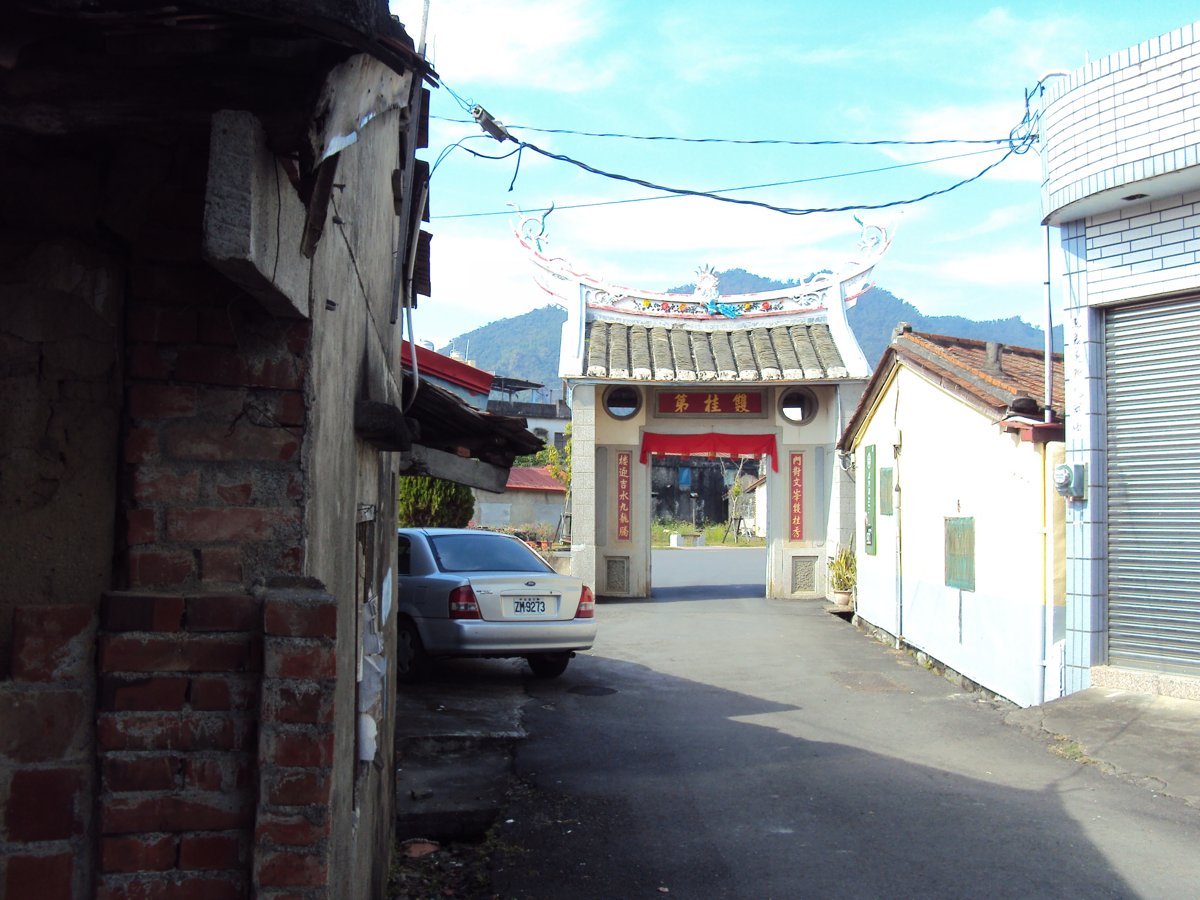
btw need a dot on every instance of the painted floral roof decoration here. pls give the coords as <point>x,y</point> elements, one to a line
<point>557,276</point>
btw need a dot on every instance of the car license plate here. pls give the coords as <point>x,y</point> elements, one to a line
<point>529,606</point>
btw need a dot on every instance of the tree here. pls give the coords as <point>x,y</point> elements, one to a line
<point>426,502</point>
<point>558,463</point>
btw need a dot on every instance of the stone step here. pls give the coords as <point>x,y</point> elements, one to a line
<point>452,795</point>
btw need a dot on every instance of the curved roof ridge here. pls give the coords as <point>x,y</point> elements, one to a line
<point>844,283</point>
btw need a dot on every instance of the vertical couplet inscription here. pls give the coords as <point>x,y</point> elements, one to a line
<point>624,517</point>
<point>796,491</point>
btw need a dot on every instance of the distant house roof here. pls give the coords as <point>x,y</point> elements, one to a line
<point>756,483</point>
<point>796,352</point>
<point>446,422</point>
<point>534,479</point>
<point>470,383</point>
<point>502,384</point>
<point>1005,383</point>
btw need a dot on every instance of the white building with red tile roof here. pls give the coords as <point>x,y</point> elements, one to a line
<point>959,531</point>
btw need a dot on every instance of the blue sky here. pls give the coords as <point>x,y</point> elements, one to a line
<point>862,71</point>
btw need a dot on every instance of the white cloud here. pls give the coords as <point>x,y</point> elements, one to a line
<point>476,280</point>
<point>531,43</point>
<point>1035,43</point>
<point>1013,267</point>
<point>660,244</point>
<point>1000,220</point>
<point>993,121</point>
<point>693,51</point>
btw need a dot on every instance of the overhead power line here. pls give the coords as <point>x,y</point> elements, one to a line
<point>729,190</point>
<point>751,142</point>
<point>786,210</point>
<point>1020,139</point>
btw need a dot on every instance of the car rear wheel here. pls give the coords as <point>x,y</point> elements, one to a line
<point>412,662</point>
<point>548,665</point>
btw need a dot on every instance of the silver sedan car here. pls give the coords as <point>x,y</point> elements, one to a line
<point>467,592</point>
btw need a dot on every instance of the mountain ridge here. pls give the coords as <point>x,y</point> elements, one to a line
<point>527,346</point>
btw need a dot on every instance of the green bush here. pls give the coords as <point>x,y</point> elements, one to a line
<point>426,502</point>
<point>714,534</point>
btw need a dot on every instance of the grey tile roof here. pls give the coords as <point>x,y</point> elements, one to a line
<point>802,352</point>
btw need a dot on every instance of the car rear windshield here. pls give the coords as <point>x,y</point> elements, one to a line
<point>484,553</point>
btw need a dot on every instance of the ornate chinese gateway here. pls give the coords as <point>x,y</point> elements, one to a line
<point>686,377</point>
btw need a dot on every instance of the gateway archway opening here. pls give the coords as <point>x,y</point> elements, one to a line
<point>707,532</point>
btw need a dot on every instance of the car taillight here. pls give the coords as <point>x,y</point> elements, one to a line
<point>587,604</point>
<point>463,604</point>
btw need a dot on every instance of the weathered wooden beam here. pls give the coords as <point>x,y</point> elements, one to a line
<point>439,464</point>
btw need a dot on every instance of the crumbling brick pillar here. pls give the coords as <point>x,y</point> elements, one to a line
<point>296,745</point>
<point>177,732</point>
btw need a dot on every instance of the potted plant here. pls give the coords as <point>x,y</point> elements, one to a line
<point>843,576</point>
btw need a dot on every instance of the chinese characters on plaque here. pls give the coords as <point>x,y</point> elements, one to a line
<point>624,459</point>
<point>710,403</point>
<point>796,491</point>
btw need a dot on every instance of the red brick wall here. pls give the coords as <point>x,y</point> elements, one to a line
<point>212,500</point>
<point>46,762</point>
<point>177,737</point>
<point>215,415</point>
<point>215,742</point>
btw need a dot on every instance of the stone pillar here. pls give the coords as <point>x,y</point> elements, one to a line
<point>584,527</point>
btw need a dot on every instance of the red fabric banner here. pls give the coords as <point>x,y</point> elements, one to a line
<point>712,443</point>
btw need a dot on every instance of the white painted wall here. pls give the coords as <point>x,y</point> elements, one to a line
<point>517,508</point>
<point>952,462</point>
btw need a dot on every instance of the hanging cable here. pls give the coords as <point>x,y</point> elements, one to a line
<point>467,105</point>
<point>751,142</point>
<point>730,190</point>
<point>785,210</point>
<point>1020,139</point>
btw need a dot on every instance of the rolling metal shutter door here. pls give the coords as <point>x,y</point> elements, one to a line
<point>1152,382</point>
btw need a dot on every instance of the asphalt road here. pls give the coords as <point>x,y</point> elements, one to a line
<point>753,748</point>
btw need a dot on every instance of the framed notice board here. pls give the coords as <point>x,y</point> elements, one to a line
<point>960,552</point>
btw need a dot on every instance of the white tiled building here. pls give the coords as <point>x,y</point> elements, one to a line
<point>1121,155</point>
